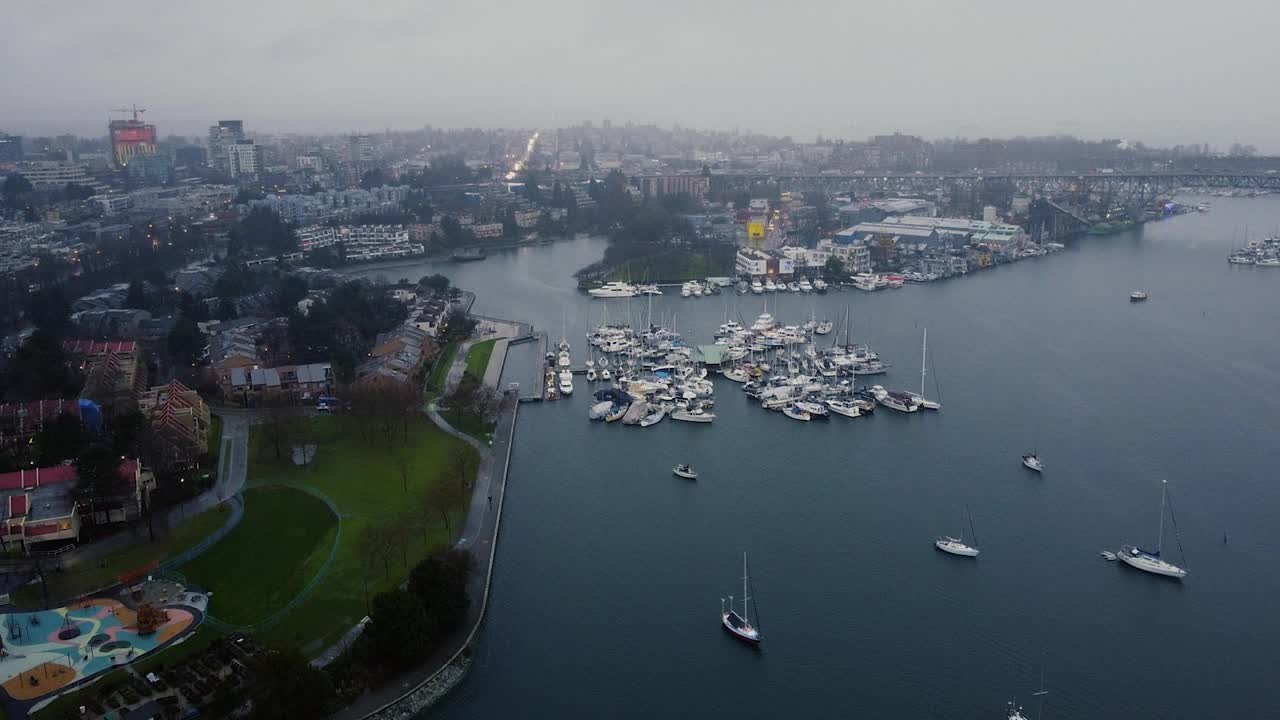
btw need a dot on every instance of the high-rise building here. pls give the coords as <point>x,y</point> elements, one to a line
<point>131,137</point>
<point>221,137</point>
<point>10,148</point>
<point>245,159</point>
<point>360,149</point>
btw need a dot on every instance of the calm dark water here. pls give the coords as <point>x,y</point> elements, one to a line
<point>610,571</point>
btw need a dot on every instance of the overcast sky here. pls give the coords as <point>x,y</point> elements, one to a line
<point>1162,72</point>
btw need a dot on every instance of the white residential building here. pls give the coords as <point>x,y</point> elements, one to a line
<point>244,159</point>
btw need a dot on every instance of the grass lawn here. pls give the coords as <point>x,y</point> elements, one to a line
<point>478,358</point>
<point>283,539</point>
<point>435,381</point>
<point>94,575</point>
<point>363,480</point>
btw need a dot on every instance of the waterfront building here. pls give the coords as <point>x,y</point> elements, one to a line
<point>485,231</point>
<point>763,263</point>
<point>855,256</point>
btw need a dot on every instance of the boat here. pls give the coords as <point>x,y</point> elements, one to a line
<point>793,286</point>
<point>1151,562</point>
<point>1267,262</point>
<point>605,375</point>
<point>847,408</point>
<point>770,285</point>
<point>920,399</point>
<point>563,359</point>
<point>599,410</point>
<point>820,285</point>
<point>757,287</point>
<point>816,410</point>
<point>591,374</point>
<point>865,281</point>
<point>743,287</point>
<point>794,412</point>
<point>566,382</point>
<point>684,471</point>
<point>686,290</point>
<point>655,417</point>
<point>957,546</point>
<point>1137,296</point>
<point>613,290</point>
<point>648,290</point>
<point>823,328</point>
<point>696,415</point>
<point>740,625</point>
<point>1109,556</point>
<point>1032,461</point>
<point>737,375</point>
<point>1240,259</point>
<point>468,254</point>
<point>894,400</point>
<point>616,412</point>
<point>806,286</point>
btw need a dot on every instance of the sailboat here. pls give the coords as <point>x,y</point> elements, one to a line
<point>740,625</point>
<point>957,546</point>
<point>921,400</point>
<point>1151,562</point>
<point>1032,459</point>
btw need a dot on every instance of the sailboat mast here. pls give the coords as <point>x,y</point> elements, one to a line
<point>1164,491</point>
<point>744,586</point>
<point>924,348</point>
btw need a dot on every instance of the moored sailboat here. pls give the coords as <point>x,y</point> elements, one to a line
<point>739,625</point>
<point>1149,561</point>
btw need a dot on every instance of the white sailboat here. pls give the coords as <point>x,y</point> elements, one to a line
<point>957,546</point>
<point>1151,562</point>
<point>921,400</point>
<point>739,625</point>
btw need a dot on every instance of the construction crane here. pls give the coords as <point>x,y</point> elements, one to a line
<point>135,110</point>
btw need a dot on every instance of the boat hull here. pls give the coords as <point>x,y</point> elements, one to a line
<point>752,639</point>
<point>952,548</point>
<point>1155,566</point>
<point>1034,465</point>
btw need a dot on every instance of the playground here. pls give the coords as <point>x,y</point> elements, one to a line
<point>49,651</point>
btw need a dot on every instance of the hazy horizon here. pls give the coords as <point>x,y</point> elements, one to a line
<point>1162,74</point>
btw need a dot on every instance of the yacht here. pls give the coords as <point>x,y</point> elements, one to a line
<point>865,281</point>
<point>686,290</point>
<point>820,285</point>
<point>770,285</point>
<point>566,382</point>
<point>1267,262</point>
<point>613,290</point>
<point>920,399</point>
<point>1033,462</point>
<point>737,375</point>
<point>1139,295</point>
<point>1151,562</point>
<point>757,287</point>
<point>806,286</point>
<point>1240,259</point>
<point>648,290</point>
<point>847,408</point>
<point>957,546</point>
<point>816,410</point>
<point>894,400</point>
<point>685,471</point>
<point>740,625</point>
<point>823,328</point>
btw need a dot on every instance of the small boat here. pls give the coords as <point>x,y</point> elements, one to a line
<point>1240,259</point>
<point>743,287</point>
<point>566,382</point>
<point>894,400</point>
<point>696,415</point>
<point>654,417</point>
<point>820,285</point>
<point>684,471</point>
<point>649,290</point>
<point>599,410</point>
<point>793,286</point>
<point>591,375</point>
<point>1149,561</point>
<point>616,412</point>
<point>686,290</point>
<point>823,328</point>
<point>1137,296</point>
<point>1109,556</point>
<point>740,625</point>
<point>605,375</point>
<point>847,408</point>
<point>737,375</point>
<point>1032,461</point>
<point>957,546</point>
<point>795,413</point>
<point>806,286</point>
<point>1267,262</point>
<point>756,287</point>
<point>770,285</point>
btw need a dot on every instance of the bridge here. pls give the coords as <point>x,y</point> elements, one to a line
<point>1124,186</point>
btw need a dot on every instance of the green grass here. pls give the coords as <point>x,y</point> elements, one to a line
<point>435,381</point>
<point>673,266</point>
<point>95,575</point>
<point>478,358</point>
<point>469,424</point>
<point>283,539</point>
<point>364,481</point>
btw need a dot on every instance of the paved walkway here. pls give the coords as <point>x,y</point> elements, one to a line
<point>478,537</point>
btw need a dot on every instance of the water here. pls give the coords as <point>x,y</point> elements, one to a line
<point>610,571</point>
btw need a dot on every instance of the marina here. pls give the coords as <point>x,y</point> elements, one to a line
<point>870,491</point>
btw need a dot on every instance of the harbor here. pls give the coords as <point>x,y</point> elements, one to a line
<point>1049,357</point>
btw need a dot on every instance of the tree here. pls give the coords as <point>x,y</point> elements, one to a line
<point>76,191</point>
<point>264,229</point>
<point>39,370</point>
<point>48,309</point>
<point>375,544</point>
<point>288,687</point>
<point>442,497</point>
<point>227,309</point>
<point>440,582</point>
<point>278,424</point>
<point>186,342</point>
<point>834,267</point>
<point>14,187</point>
<point>60,439</point>
<point>399,630</point>
<point>463,464</point>
<point>100,485</point>
<point>436,283</point>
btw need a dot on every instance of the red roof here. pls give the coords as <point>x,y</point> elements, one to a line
<point>98,347</point>
<point>17,505</point>
<point>56,475</point>
<point>38,411</point>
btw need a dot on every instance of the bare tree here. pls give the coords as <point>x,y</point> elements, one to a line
<point>278,422</point>
<point>404,464</point>
<point>442,496</point>
<point>375,544</point>
<point>463,464</point>
<point>424,507</point>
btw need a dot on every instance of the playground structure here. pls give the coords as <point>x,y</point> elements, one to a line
<point>47,652</point>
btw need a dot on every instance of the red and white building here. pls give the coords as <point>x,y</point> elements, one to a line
<point>39,505</point>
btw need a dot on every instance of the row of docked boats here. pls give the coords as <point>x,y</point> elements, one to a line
<point>618,289</point>
<point>770,285</point>
<point>1262,253</point>
<point>653,377</point>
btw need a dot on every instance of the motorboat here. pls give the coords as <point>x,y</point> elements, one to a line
<point>613,290</point>
<point>1033,462</point>
<point>686,290</point>
<point>739,625</point>
<point>685,471</point>
<point>770,285</point>
<point>806,286</point>
<point>1150,561</point>
<point>1137,296</point>
<point>794,412</point>
<point>654,417</point>
<point>793,286</point>
<point>599,410</point>
<point>1240,259</point>
<point>823,328</point>
<point>816,410</point>
<point>847,408</point>
<point>820,285</point>
<point>743,287</point>
<point>694,415</point>
<point>894,400</point>
<point>737,375</point>
<point>865,281</point>
<point>1269,261</point>
<point>591,375</point>
<point>616,412</point>
<point>566,382</point>
<point>649,290</point>
<point>757,287</point>
<point>605,375</point>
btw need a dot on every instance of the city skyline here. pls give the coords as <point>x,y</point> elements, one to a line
<point>1095,71</point>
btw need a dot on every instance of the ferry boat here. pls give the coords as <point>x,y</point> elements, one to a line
<point>613,290</point>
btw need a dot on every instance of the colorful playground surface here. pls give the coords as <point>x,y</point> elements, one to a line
<point>48,651</point>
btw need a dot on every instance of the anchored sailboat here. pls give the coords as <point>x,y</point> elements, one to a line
<point>1151,562</point>
<point>957,546</point>
<point>739,625</point>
